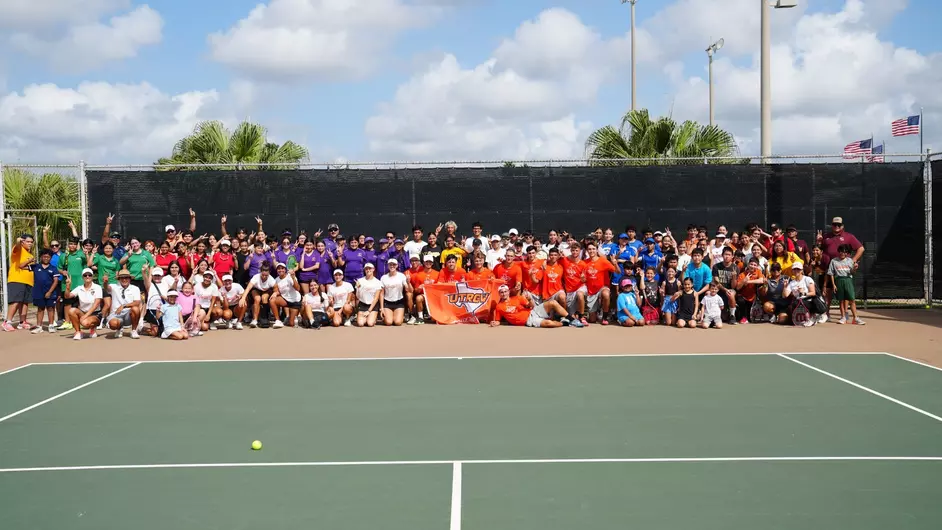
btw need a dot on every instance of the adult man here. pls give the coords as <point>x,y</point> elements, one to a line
<point>519,311</point>
<point>414,246</point>
<point>452,273</point>
<point>495,254</point>
<point>125,305</point>
<point>509,271</point>
<point>574,282</point>
<point>532,269</point>
<point>551,285</point>
<point>726,276</point>
<point>20,281</point>
<point>419,279</point>
<point>830,243</point>
<point>477,231</point>
<point>331,240</point>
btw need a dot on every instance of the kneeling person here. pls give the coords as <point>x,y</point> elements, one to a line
<point>519,311</point>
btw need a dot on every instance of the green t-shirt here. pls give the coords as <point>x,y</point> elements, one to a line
<point>136,261</point>
<point>73,263</point>
<point>107,266</point>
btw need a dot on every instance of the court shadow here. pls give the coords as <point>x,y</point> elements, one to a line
<point>928,317</point>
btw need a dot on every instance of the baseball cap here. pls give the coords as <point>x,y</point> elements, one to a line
<point>476,242</point>
<point>227,278</point>
<point>397,241</point>
<point>798,265</point>
<point>225,242</point>
<point>626,281</point>
<point>382,241</point>
<point>116,234</point>
<point>213,275</point>
<point>503,288</point>
<point>169,228</point>
<point>413,257</point>
<point>172,293</point>
<point>513,232</point>
<point>622,236</point>
<point>87,271</point>
<point>277,266</point>
<point>338,271</point>
<point>369,238</point>
<point>649,241</point>
<point>428,257</point>
<point>658,233</point>
<point>393,260</point>
<point>333,226</point>
<point>837,221</point>
<point>720,234</point>
<point>495,237</point>
<point>369,266</point>
<point>156,271</point>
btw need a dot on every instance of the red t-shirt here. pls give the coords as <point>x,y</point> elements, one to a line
<point>420,278</point>
<point>484,274</point>
<point>514,311</point>
<point>552,280</point>
<point>832,241</point>
<point>164,260</point>
<point>511,276</point>
<point>531,269</point>
<point>223,263</point>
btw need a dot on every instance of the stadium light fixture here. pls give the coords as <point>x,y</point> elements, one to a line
<point>712,49</point>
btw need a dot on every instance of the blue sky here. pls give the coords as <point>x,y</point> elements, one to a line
<point>449,79</point>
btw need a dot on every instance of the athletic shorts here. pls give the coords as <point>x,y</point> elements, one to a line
<point>19,293</point>
<point>710,320</point>
<point>43,303</point>
<point>398,304</point>
<point>593,303</point>
<point>845,289</point>
<point>534,298</point>
<point>537,315</point>
<point>365,308</point>
<point>124,317</point>
<point>572,305</point>
<point>137,283</point>
<point>294,305</point>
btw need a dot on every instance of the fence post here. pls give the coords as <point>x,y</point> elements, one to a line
<point>530,173</point>
<point>3,243</point>
<point>930,258</point>
<point>83,199</point>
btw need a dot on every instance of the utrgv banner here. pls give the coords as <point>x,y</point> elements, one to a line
<point>462,303</point>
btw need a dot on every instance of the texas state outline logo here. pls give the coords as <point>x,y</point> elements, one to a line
<point>471,299</point>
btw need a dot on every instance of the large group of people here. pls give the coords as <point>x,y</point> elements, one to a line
<point>185,284</point>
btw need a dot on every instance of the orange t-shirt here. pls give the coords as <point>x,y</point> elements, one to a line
<point>421,278</point>
<point>484,274</point>
<point>552,280</point>
<point>598,274</point>
<point>512,276</point>
<point>446,276</point>
<point>573,273</point>
<point>514,310</point>
<point>530,269</point>
<point>748,291</point>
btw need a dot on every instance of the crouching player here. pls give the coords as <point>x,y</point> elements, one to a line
<point>520,311</point>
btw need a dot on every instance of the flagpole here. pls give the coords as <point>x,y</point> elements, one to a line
<point>921,127</point>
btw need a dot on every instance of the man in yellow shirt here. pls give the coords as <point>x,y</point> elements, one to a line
<point>20,282</point>
<point>452,249</point>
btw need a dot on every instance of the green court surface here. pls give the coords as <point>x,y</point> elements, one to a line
<point>732,442</point>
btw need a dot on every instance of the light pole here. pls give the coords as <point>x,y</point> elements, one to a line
<point>713,48</point>
<point>765,99</point>
<point>634,86</point>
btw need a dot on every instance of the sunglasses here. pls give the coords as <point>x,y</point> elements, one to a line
<point>86,276</point>
<point>54,245</point>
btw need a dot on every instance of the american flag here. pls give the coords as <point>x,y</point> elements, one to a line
<point>877,154</point>
<point>905,126</point>
<point>858,149</point>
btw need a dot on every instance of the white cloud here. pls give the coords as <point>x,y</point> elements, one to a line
<point>99,122</point>
<point>518,104</point>
<point>323,39</point>
<point>34,14</point>
<point>90,45</point>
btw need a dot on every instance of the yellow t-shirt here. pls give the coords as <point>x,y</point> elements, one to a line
<point>19,256</point>
<point>457,251</point>
<point>786,262</point>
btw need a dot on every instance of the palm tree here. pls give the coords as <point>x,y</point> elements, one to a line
<point>662,141</point>
<point>212,143</point>
<point>51,197</point>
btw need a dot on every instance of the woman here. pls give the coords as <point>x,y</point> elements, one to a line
<point>315,307</point>
<point>395,288</point>
<point>785,259</point>
<point>173,280</point>
<point>135,259</point>
<point>171,318</point>
<point>202,267</point>
<point>802,291</point>
<point>183,259</point>
<point>353,261</point>
<point>207,294</point>
<point>287,296</point>
<point>223,261</point>
<point>150,247</point>
<point>88,312</point>
<point>341,300</point>
<point>308,267</point>
<point>667,245</point>
<point>200,254</point>
<point>286,253</point>
<point>326,260</point>
<point>106,265</point>
<point>229,295</point>
<point>155,298</point>
<point>369,296</point>
<point>256,259</point>
<point>164,257</point>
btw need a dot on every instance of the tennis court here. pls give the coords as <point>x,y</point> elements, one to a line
<point>744,441</point>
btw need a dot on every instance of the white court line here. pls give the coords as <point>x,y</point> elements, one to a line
<point>915,362</point>
<point>67,392</point>
<point>864,388</point>
<point>482,357</point>
<point>455,496</point>
<point>15,369</point>
<point>472,462</point>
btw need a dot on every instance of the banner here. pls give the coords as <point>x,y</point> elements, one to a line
<point>462,303</point>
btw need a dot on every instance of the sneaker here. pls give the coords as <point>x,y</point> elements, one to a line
<point>253,324</point>
<point>232,323</point>
<point>348,323</point>
<point>8,326</point>
<point>199,333</point>
<point>101,325</point>
<point>576,323</point>
<point>66,326</point>
<point>93,334</point>
<point>412,321</point>
<point>585,321</point>
<point>238,325</point>
<point>420,322</point>
<point>859,321</point>
<point>52,327</point>
<point>565,321</point>
<point>604,321</point>
<point>212,327</point>
<point>37,330</point>
<point>278,324</point>
<point>822,318</point>
<point>135,334</point>
<point>743,321</point>
<point>842,321</point>
<point>77,336</point>
<point>118,334</point>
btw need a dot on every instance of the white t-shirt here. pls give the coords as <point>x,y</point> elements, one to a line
<point>88,296</point>
<point>169,282</point>
<point>339,293</point>
<point>206,294</point>
<point>413,247</point>
<point>712,305</point>
<point>123,295</point>
<point>153,297</point>
<point>232,295</point>
<point>366,289</point>
<point>263,285</point>
<point>317,302</point>
<point>287,290</point>
<point>394,287</point>
<point>717,253</point>
<point>493,257</point>
<point>801,287</point>
<point>682,261</point>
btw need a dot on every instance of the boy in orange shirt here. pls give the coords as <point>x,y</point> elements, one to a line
<point>747,285</point>
<point>419,279</point>
<point>532,269</point>
<point>574,282</point>
<point>509,271</point>
<point>597,279</point>
<point>519,311</point>
<point>551,287</point>
<point>478,270</point>
<point>451,273</point>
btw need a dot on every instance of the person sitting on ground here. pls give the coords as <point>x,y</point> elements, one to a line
<point>688,305</point>
<point>260,287</point>
<point>315,307</point>
<point>171,319</point>
<point>629,312</point>
<point>519,311</point>
<point>286,295</point>
<point>712,308</point>
<point>342,300</point>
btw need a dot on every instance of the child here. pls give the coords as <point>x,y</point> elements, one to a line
<point>670,287</point>
<point>841,274</point>
<point>45,292</point>
<point>171,315</point>
<point>315,308</point>
<point>629,314</point>
<point>712,308</point>
<point>650,297</point>
<point>688,305</point>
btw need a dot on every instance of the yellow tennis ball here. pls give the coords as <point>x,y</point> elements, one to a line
<point>256,445</point>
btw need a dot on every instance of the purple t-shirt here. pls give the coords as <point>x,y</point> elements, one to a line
<point>325,274</point>
<point>255,262</point>
<point>381,266</point>
<point>354,260</point>
<point>281,256</point>
<point>306,262</point>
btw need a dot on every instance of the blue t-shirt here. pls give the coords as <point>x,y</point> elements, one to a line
<point>607,249</point>
<point>652,261</point>
<point>42,281</point>
<point>700,276</point>
<point>628,302</point>
<point>637,245</point>
<point>626,255</point>
<point>170,316</point>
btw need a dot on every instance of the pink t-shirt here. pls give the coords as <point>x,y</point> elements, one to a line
<point>186,302</point>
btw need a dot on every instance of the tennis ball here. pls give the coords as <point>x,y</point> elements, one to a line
<point>256,445</point>
<point>928,307</point>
